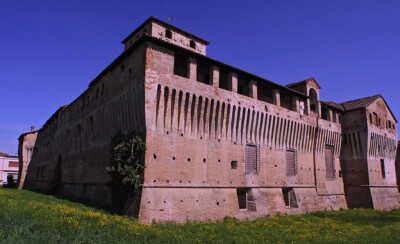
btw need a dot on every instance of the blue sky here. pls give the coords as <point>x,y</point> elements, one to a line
<point>51,50</point>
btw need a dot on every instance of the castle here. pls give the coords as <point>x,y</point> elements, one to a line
<point>219,141</point>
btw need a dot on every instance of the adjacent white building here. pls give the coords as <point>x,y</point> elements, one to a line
<point>9,165</point>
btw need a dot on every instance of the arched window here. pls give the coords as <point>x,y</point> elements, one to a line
<point>313,100</point>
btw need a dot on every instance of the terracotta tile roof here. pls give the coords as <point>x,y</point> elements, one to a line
<point>360,103</point>
<point>303,81</point>
<point>3,154</point>
<point>333,105</point>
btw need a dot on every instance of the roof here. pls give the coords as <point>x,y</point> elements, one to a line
<point>27,133</point>
<point>303,81</point>
<point>360,103</point>
<point>3,154</point>
<point>153,19</point>
<point>333,105</point>
<point>363,103</point>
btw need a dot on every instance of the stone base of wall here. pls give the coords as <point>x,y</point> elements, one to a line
<point>182,205</point>
<point>94,195</point>
<point>384,198</point>
<point>358,197</point>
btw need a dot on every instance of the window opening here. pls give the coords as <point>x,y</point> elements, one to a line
<point>180,65</point>
<point>234,165</point>
<point>192,44</point>
<point>301,107</point>
<point>168,34</point>
<point>286,101</point>
<point>324,113</point>
<point>313,100</point>
<point>241,195</point>
<point>243,87</point>
<point>376,119</point>
<point>264,92</point>
<point>289,197</point>
<point>246,200</point>
<point>383,168</point>
<point>223,79</point>
<point>203,73</point>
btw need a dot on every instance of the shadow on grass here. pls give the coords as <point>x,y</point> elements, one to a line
<point>362,217</point>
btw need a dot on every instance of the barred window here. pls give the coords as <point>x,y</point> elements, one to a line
<point>289,197</point>
<point>291,162</point>
<point>241,195</point>
<point>329,162</point>
<point>246,199</point>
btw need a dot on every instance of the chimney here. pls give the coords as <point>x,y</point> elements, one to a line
<point>32,128</point>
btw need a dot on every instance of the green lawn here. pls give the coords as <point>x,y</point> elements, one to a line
<point>28,217</point>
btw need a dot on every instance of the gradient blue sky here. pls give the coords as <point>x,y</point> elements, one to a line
<point>51,50</point>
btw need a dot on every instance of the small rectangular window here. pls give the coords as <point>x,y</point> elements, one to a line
<point>334,117</point>
<point>13,164</point>
<point>329,162</point>
<point>340,119</point>
<point>383,168</point>
<point>370,119</point>
<point>376,119</point>
<point>192,44</point>
<point>291,164</point>
<point>168,34</point>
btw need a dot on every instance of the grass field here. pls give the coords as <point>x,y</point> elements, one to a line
<point>28,217</point>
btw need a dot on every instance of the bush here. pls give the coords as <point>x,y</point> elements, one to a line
<point>126,168</point>
<point>10,181</point>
